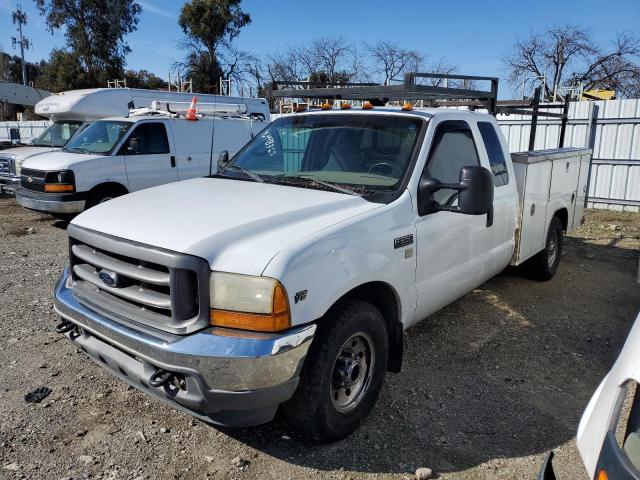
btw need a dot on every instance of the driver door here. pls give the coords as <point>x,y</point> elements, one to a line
<point>445,241</point>
<point>148,156</point>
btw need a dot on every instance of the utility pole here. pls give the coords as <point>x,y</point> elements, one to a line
<point>20,17</point>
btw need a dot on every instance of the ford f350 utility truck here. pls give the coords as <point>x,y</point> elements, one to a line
<point>69,110</point>
<point>289,276</point>
<point>151,147</point>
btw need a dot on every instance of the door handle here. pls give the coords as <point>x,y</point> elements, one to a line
<point>173,161</point>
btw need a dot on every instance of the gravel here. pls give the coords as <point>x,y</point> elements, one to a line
<point>489,384</point>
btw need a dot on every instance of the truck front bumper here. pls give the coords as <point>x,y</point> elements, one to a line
<point>66,203</point>
<point>9,184</point>
<point>231,378</point>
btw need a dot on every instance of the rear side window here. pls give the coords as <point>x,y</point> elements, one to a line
<point>453,148</point>
<point>495,153</point>
<point>152,139</point>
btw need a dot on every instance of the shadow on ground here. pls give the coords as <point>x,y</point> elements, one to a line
<point>504,372</point>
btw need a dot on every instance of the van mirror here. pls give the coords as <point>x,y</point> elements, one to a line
<point>223,159</point>
<point>475,193</point>
<point>133,145</point>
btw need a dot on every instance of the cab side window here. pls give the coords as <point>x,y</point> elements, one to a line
<point>147,139</point>
<point>453,148</point>
<point>495,153</point>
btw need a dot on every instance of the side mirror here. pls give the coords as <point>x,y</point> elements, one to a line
<point>475,195</point>
<point>223,159</point>
<point>133,145</point>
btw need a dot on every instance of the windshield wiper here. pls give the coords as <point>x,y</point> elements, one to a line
<point>311,179</point>
<point>248,173</point>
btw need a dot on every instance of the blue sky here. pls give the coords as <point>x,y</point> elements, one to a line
<point>469,33</point>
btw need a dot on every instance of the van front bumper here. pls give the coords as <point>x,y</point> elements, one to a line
<point>51,202</point>
<point>231,377</point>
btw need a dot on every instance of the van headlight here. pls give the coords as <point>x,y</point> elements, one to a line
<point>248,302</point>
<point>59,182</point>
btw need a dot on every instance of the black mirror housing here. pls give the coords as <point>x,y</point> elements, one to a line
<point>476,198</point>
<point>223,159</point>
<point>475,195</point>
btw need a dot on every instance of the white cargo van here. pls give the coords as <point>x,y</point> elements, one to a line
<point>69,110</point>
<point>117,155</point>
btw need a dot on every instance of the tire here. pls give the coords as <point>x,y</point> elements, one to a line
<point>328,406</point>
<point>544,264</point>
<point>103,194</point>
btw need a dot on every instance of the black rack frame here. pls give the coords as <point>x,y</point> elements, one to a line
<point>435,95</point>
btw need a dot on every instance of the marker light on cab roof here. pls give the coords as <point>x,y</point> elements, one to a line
<point>407,106</point>
<point>366,105</point>
<point>326,106</point>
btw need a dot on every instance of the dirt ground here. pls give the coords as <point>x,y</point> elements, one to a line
<point>489,385</point>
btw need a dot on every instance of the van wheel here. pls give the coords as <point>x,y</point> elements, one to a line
<point>103,194</point>
<point>544,264</point>
<point>342,374</point>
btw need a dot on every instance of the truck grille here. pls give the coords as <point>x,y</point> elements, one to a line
<point>138,283</point>
<point>7,166</point>
<point>33,179</point>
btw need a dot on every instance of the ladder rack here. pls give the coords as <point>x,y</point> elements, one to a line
<point>445,90</point>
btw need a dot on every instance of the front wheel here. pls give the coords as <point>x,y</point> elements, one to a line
<point>342,375</point>
<point>544,264</point>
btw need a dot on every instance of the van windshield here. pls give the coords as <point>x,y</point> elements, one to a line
<point>361,152</point>
<point>57,134</point>
<point>99,137</point>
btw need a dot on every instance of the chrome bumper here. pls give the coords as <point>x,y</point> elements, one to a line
<point>27,200</point>
<point>9,184</point>
<point>231,377</point>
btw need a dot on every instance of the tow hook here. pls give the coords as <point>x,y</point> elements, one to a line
<point>162,377</point>
<point>65,326</point>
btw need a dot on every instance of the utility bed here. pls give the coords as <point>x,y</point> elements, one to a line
<point>547,181</point>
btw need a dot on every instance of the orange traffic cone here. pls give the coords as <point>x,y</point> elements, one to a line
<point>191,112</point>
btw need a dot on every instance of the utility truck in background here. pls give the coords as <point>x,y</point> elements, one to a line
<point>70,110</point>
<point>151,146</point>
<point>287,278</point>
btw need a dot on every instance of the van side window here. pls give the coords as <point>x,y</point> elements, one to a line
<point>495,153</point>
<point>453,148</point>
<point>152,139</point>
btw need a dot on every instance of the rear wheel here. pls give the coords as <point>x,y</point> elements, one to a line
<point>342,374</point>
<point>544,264</point>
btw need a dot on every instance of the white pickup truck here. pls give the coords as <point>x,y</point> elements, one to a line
<point>288,278</point>
<point>118,155</point>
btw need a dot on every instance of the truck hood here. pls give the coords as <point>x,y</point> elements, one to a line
<point>22,153</point>
<point>58,160</point>
<point>238,226</point>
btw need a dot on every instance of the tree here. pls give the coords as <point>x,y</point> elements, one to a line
<point>95,31</point>
<point>209,27</point>
<point>61,72</point>
<point>144,79</point>
<point>390,61</point>
<point>567,55</point>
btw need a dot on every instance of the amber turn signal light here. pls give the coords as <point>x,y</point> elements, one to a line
<point>279,319</point>
<point>58,187</point>
<point>602,475</point>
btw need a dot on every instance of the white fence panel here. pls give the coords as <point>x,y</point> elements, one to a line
<point>28,129</point>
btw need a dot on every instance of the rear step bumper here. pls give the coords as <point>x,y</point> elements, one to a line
<point>221,376</point>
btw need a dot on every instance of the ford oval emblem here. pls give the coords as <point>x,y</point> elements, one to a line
<point>110,279</point>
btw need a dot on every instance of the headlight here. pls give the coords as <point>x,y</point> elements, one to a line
<point>63,181</point>
<point>248,303</point>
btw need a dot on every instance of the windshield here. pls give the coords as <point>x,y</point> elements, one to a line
<point>357,151</point>
<point>57,134</point>
<point>99,137</point>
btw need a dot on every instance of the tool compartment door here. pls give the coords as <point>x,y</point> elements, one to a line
<point>533,225</point>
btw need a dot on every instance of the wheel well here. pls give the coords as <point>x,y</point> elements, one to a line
<point>563,215</point>
<point>384,298</point>
<point>108,186</point>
